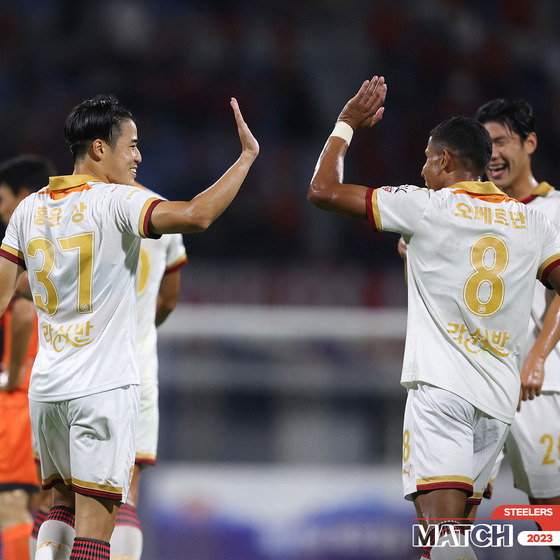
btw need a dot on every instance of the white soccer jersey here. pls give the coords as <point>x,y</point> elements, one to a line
<point>80,242</point>
<point>472,259</point>
<point>157,258</point>
<point>545,199</point>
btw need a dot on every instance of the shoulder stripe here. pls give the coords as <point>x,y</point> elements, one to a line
<point>12,255</point>
<point>545,269</point>
<point>373,210</point>
<point>144,222</point>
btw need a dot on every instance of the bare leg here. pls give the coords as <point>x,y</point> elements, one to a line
<point>14,508</point>
<point>95,517</point>
<point>441,505</point>
<point>15,524</point>
<point>436,507</point>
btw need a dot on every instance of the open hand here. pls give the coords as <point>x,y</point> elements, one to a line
<point>532,378</point>
<point>366,108</point>
<point>249,143</point>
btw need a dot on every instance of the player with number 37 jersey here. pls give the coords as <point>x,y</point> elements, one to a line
<point>56,230</point>
<point>466,306</point>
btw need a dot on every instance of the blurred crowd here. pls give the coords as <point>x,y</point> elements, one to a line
<point>292,65</point>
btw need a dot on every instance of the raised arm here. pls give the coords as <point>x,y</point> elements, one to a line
<point>200,212</point>
<point>327,189</point>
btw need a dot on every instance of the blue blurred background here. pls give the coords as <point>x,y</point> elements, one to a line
<point>292,65</point>
<point>280,408</point>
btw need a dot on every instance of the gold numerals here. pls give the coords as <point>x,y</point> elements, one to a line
<point>484,289</point>
<point>44,251</point>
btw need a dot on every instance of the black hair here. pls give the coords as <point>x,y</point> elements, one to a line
<point>513,113</point>
<point>26,172</point>
<point>467,140</point>
<point>99,117</point>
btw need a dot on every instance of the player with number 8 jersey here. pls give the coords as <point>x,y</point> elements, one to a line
<point>472,258</point>
<point>457,286</point>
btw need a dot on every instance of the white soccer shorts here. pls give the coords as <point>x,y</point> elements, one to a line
<point>88,443</point>
<point>148,425</point>
<point>533,446</point>
<point>448,443</point>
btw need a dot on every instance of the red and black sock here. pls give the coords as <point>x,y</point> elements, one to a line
<point>127,516</point>
<point>60,513</point>
<point>90,549</point>
<point>37,522</point>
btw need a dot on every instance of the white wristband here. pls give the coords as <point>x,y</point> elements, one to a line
<point>343,130</point>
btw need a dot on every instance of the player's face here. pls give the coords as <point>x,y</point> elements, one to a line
<point>8,203</point>
<point>121,162</point>
<point>510,157</point>
<point>431,172</point>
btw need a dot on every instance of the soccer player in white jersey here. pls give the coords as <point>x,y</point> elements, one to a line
<point>159,276</point>
<point>532,445</point>
<point>79,239</point>
<point>158,290</point>
<point>470,288</point>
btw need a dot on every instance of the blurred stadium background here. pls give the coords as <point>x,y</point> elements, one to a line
<point>280,402</point>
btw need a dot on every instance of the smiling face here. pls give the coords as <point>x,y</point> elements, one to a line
<point>511,158</point>
<point>120,163</point>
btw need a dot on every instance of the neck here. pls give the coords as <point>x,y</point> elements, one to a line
<point>459,177</point>
<point>89,168</point>
<point>522,188</point>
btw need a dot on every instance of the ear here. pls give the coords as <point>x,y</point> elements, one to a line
<point>530,143</point>
<point>98,149</point>
<point>447,162</point>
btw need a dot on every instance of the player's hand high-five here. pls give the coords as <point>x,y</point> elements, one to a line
<point>366,108</point>
<point>249,143</point>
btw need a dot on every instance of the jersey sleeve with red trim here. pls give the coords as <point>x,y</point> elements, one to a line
<point>396,209</point>
<point>550,252</point>
<point>176,256</point>
<point>133,207</point>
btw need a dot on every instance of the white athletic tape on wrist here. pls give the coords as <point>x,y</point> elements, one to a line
<point>343,130</point>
